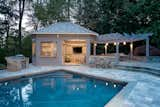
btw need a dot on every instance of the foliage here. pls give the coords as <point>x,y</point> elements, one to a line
<point>27,46</point>
<point>87,13</point>
<point>2,66</point>
<point>10,36</point>
<point>102,16</point>
<point>107,16</point>
<point>12,48</point>
<point>53,10</point>
<point>2,55</point>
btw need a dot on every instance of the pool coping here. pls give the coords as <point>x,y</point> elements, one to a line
<point>116,101</point>
<point>121,96</point>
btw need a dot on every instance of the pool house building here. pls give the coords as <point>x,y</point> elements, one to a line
<point>66,43</point>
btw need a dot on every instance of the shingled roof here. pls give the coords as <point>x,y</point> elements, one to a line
<point>65,28</point>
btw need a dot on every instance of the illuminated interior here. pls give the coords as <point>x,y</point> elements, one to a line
<point>74,52</point>
<point>48,49</point>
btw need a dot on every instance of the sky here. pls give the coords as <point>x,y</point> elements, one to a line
<point>25,23</point>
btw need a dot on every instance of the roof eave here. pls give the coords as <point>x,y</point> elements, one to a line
<point>64,33</point>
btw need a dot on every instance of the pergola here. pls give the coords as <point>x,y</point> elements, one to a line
<point>117,38</point>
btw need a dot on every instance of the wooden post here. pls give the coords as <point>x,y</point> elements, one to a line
<point>59,51</point>
<point>131,50</point>
<point>38,51</point>
<point>88,50</point>
<point>106,48</point>
<point>147,47</point>
<point>94,49</point>
<point>117,52</point>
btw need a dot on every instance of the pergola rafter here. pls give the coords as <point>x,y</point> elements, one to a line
<point>117,38</point>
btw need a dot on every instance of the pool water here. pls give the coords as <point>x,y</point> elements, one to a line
<point>57,89</point>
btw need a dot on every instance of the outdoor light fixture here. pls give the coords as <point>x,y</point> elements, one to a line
<point>106,45</point>
<point>131,46</point>
<point>57,36</point>
<point>124,43</point>
<point>95,44</point>
<point>116,43</point>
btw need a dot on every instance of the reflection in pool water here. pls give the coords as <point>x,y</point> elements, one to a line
<point>58,89</point>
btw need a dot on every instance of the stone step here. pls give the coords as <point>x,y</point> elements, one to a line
<point>139,69</point>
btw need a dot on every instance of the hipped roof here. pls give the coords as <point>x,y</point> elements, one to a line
<point>65,28</point>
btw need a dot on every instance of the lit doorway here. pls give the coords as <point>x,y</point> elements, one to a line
<point>74,52</point>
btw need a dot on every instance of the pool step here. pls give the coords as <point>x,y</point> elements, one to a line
<point>139,69</point>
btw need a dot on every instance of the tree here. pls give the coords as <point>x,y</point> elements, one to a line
<point>27,46</point>
<point>8,24</point>
<point>87,13</point>
<point>145,17</point>
<point>104,16</point>
<point>48,12</point>
<point>79,12</point>
<point>8,21</point>
<point>69,9</point>
<point>4,10</point>
<point>21,7</point>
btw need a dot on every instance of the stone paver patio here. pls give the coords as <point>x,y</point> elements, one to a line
<point>142,90</point>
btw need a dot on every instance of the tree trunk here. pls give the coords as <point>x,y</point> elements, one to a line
<point>21,11</point>
<point>68,10</point>
<point>1,42</point>
<point>7,36</point>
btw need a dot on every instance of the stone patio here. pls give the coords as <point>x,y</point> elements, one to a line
<point>142,90</point>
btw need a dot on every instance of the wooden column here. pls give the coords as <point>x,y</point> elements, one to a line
<point>88,50</point>
<point>35,52</point>
<point>131,50</point>
<point>38,51</point>
<point>59,52</point>
<point>117,52</point>
<point>106,48</point>
<point>94,49</point>
<point>147,47</point>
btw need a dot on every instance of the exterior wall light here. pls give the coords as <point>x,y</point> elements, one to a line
<point>95,44</point>
<point>106,45</point>
<point>124,43</point>
<point>57,36</point>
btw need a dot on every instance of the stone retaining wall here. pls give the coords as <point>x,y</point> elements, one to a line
<point>102,61</point>
<point>110,61</point>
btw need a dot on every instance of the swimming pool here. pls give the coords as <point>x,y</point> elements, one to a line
<point>57,89</point>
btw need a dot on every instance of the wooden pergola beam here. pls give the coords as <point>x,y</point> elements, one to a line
<point>119,38</point>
